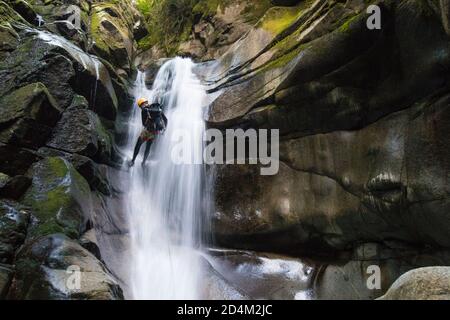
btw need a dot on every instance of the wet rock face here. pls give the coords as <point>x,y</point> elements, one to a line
<point>112,28</point>
<point>219,29</point>
<point>58,104</point>
<point>363,117</point>
<point>59,198</point>
<point>81,131</point>
<point>212,28</point>
<point>251,275</point>
<point>42,272</point>
<point>31,62</point>
<point>28,116</point>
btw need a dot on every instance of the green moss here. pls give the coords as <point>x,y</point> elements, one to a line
<point>106,43</point>
<point>104,139</point>
<point>144,6</point>
<point>208,7</point>
<point>49,227</point>
<point>346,25</point>
<point>56,197</point>
<point>8,15</point>
<point>170,22</point>
<point>253,9</point>
<point>278,19</point>
<point>145,43</point>
<point>58,166</point>
<point>284,59</point>
<point>96,34</point>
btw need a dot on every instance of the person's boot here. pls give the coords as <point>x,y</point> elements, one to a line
<point>136,152</point>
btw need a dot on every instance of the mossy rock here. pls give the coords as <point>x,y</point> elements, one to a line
<point>112,38</point>
<point>43,271</point>
<point>59,198</point>
<point>81,131</point>
<point>253,11</point>
<point>277,19</point>
<point>9,40</point>
<point>37,61</point>
<point>8,14</point>
<point>63,68</point>
<point>93,172</point>
<point>24,9</point>
<point>28,115</point>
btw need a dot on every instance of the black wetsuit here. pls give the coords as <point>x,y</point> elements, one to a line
<point>154,122</point>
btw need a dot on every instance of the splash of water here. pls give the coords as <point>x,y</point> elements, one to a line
<point>88,61</point>
<point>165,201</point>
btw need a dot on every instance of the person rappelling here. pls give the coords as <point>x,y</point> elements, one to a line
<point>155,123</point>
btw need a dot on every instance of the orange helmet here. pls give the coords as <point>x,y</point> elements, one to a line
<point>141,101</point>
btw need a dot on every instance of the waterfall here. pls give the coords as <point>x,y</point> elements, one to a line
<point>164,200</point>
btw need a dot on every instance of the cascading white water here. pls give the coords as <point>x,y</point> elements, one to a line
<point>165,200</point>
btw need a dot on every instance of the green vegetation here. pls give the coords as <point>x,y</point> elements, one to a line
<point>55,198</point>
<point>278,19</point>
<point>169,22</point>
<point>346,25</point>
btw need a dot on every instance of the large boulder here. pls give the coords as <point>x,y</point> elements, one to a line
<point>9,40</point>
<point>94,173</point>
<point>56,267</point>
<point>33,62</point>
<point>311,63</point>
<point>204,30</point>
<point>69,19</point>
<point>432,283</point>
<point>112,26</point>
<point>335,189</point>
<point>59,198</point>
<point>362,156</point>
<point>62,67</point>
<point>28,115</point>
<point>371,269</point>
<point>81,131</point>
<point>220,26</point>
